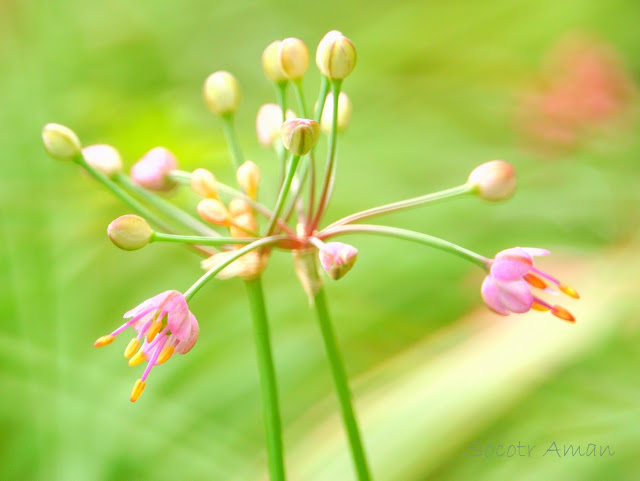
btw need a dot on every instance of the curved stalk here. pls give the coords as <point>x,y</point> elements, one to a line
<point>404,204</point>
<point>409,235</point>
<point>199,240</point>
<point>232,140</point>
<point>284,190</point>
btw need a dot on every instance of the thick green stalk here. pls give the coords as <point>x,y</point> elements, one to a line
<point>342,386</point>
<point>268,383</point>
<point>405,204</point>
<point>284,190</point>
<point>409,235</point>
<point>166,207</point>
<point>232,140</point>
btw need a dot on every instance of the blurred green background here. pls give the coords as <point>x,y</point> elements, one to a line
<point>434,94</point>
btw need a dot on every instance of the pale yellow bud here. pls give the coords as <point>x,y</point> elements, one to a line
<point>221,93</point>
<point>214,211</point>
<point>344,112</point>
<point>103,158</point>
<point>60,142</point>
<point>336,55</point>
<point>247,267</point>
<point>239,206</point>
<point>268,123</point>
<point>271,62</point>
<point>294,58</point>
<point>243,225</point>
<point>203,183</point>
<point>130,232</point>
<point>248,177</point>
<point>494,181</point>
<point>300,135</point>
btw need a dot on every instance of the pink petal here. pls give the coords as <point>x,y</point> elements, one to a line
<point>192,332</point>
<point>152,303</point>
<point>535,251</point>
<point>491,295</point>
<point>516,296</point>
<point>511,264</point>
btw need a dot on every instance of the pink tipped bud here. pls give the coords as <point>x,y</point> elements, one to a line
<point>293,56</point>
<point>60,142</point>
<point>337,258</point>
<point>130,232</point>
<point>300,135</point>
<point>336,55</point>
<point>221,93</point>
<point>103,158</point>
<point>271,62</point>
<point>344,112</point>
<point>248,177</point>
<point>494,181</point>
<point>151,171</point>
<point>203,183</point>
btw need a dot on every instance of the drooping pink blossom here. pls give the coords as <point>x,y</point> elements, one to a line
<point>164,325</point>
<point>512,273</point>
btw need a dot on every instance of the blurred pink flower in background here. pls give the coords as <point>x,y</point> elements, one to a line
<point>584,86</point>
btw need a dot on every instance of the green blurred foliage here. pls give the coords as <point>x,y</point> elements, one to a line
<point>433,96</point>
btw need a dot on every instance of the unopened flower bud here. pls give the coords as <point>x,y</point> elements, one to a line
<point>494,181</point>
<point>214,211</point>
<point>247,267</point>
<point>337,258</point>
<point>248,177</point>
<point>300,135</point>
<point>221,93</point>
<point>268,123</point>
<point>60,142</point>
<point>203,183</point>
<point>130,232</point>
<point>294,58</point>
<point>243,225</point>
<point>152,170</point>
<point>336,55</point>
<point>271,62</point>
<point>103,158</point>
<point>239,206</point>
<point>344,112</point>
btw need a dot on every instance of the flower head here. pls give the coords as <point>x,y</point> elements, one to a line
<point>512,273</point>
<point>60,142</point>
<point>221,93</point>
<point>164,325</point>
<point>337,258</point>
<point>103,158</point>
<point>151,171</point>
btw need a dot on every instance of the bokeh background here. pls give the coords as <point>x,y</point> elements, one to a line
<point>439,87</point>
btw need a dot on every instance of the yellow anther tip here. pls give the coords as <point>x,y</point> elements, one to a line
<point>165,355</point>
<point>153,331</point>
<point>139,358</point>
<point>132,347</point>
<point>563,314</point>
<point>103,341</point>
<point>539,307</point>
<point>570,291</point>
<point>138,387</point>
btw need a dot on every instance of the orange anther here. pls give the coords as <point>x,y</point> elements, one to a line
<point>153,330</point>
<point>132,347</point>
<point>139,358</point>
<point>539,307</point>
<point>535,281</point>
<point>138,387</point>
<point>165,355</point>
<point>562,313</point>
<point>570,291</point>
<point>103,341</point>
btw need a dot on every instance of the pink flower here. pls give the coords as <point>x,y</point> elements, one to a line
<point>151,171</point>
<point>507,287</point>
<point>167,326</point>
<point>337,258</point>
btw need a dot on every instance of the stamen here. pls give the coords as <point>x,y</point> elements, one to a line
<point>535,281</point>
<point>139,358</point>
<point>104,340</point>
<point>539,307</point>
<point>570,291</point>
<point>562,313</point>
<point>134,345</point>
<point>153,330</point>
<point>138,387</point>
<point>165,355</point>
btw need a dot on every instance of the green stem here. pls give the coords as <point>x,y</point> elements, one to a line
<point>325,86</point>
<point>122,194</point>
<point>284,190</point>
<point>199,240</point>
<point>322,97</point>
<point>232,140</point>
<point>165,206</point>
<point>211,273</point>
<point>297,84</point>
<point>268,383</point>
<point>281,99</point>
<point>405,204</point>
<point>329,173</point>
<point>409,235</point>
<point>342,386</point>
